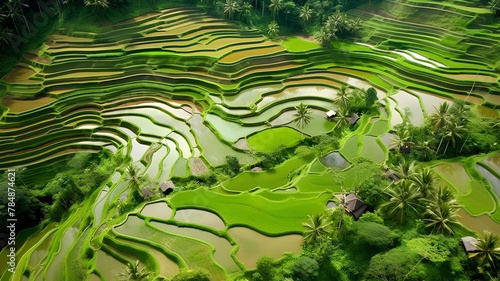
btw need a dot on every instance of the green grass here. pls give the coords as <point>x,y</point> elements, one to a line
<point>270,139</point>
<point>296,44</point>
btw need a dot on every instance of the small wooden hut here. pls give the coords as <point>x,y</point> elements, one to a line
<point>469,244</point>
<point>354,206</point>
<point>330,115</point>
<point>167,187</point>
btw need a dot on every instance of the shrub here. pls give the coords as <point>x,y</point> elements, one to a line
<point>375,234</point>
<point>370,97</point>
<point>192,275</point>
<point>265,268</point>
<point>305,268</point>
<point>232,166</point>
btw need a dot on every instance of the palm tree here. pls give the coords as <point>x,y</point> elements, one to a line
<point>460,113</point>
<point>5,36</point>
<point>316,229</point>
<point>231,7</point>
<point>401,138</point>
<point>441,117</point>
<point>343,118</point>
<point>333,21</point>
<point>338,21</point>
<point>273,29</point>
<point>403,199</point>
<point>324,37</point>
<point>246,10</point>
<point>427,151</point>
<point>424,181</point>
<point>275,7</point>
<point>343,98</point>
<point>355,25</point>
<point>303,116</point>
<point>104,4</point>
<point>488,245</point>
<point>305,13</point>
<point>405,170</point>
<point>15,13</point>
<point>132,272</point>
<point>135,181</point>
<point>452,133</point>
<point>441,194</point>
<point>440,216</point>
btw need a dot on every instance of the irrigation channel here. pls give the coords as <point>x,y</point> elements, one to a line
<point>181,96</point>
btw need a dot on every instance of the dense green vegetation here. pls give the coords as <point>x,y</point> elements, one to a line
<point>183,146</point>
<point>68,183</point>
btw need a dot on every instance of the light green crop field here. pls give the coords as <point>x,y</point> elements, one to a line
<point>270,139</point>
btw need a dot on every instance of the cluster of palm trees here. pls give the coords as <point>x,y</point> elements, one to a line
<point>234,7</point>
<point>103,4</point>
<point>416,195</point>
<point>343,101</point>
<point>17,17</point>
<point>448,123</point>
<point>446,128</point>
<point>12,15</point>
<point>337,26</point>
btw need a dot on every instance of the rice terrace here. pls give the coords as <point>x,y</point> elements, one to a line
<point>250,140</point>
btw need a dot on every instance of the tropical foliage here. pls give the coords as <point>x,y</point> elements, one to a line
<point>133,272</point>
<point>316,229</point>
<point>488,246</point>
<point>302,116</point>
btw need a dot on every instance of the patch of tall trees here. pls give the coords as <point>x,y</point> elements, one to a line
<point>36,200</point>
<point>410,236</point>
<point>451,130</point>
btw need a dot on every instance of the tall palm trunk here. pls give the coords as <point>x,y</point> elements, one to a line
<point>437,150</point>
<point>464,143</point>
<point>446,148</point>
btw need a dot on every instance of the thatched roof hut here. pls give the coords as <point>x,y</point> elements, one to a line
<point>256,169</point>
<point>147,193</point>
<point>469,243</point>
<point>353,118</point>
<point>331,114</point>
<point>167,187</point>
<point>391,174</point>
<point>354,206</point>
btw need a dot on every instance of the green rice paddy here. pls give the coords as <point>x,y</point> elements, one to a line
<point>179,98</point>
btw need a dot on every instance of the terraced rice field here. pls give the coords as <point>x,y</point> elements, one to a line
<point>177,91</point>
